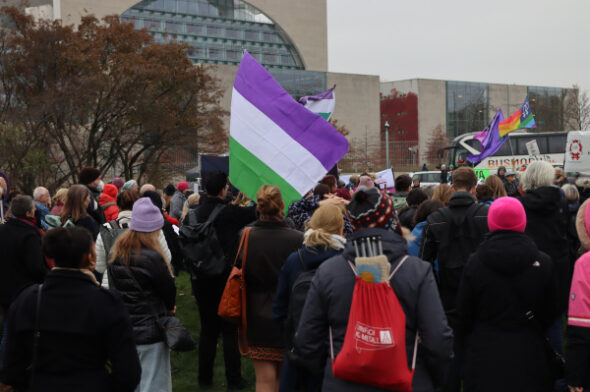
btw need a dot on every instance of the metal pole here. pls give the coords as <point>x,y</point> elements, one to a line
<point>387,145</point>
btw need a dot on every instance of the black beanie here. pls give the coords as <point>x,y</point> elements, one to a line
<point>169,190</point>
<point>154,197</point>
<point>88,174</point>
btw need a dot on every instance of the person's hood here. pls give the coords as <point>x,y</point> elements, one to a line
<point>394,245</point>
<point>507,252</point>
<point>582,226</point>
<point>417,230</point>
<point>543,199</point>
<point>111,190</point>
<point>106,198</point>
<point>317,255</point>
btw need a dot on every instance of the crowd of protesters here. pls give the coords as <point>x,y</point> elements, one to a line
<point>486,273</point>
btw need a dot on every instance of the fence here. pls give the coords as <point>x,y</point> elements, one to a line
<point>371,155</point>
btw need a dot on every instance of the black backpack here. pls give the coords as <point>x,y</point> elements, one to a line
<point>297,299</point>
<point>201,248</point>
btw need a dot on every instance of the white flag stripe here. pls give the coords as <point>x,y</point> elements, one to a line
<point>323,106</point>
<point>273,146</point>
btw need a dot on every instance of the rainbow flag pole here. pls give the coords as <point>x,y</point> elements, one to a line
<point>522,118</point>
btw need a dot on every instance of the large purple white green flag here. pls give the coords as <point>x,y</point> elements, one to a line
<point>275,140</point>
<point>322,103</point>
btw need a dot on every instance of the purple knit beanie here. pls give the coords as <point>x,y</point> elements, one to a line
<point>507,213</point>
<point>118,182</point>
<point>146,217</point>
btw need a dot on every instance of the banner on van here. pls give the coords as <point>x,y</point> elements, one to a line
<point>577,152</point>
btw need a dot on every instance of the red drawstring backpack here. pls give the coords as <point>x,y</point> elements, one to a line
<point>374,349</point>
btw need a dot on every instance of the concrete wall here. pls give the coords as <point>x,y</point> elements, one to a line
<point>73,10</point>
<point>357,104</point>
<point>305,22</point>
<point>403,86</point>
<point>432,110</point>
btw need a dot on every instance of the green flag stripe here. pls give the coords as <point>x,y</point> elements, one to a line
<point>326,116</point>
<point>248,174</point>
<point>527,121</point>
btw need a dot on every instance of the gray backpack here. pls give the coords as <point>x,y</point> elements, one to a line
<point>110,235</point>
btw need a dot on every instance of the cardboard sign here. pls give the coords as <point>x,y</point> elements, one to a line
<point>577,152</point>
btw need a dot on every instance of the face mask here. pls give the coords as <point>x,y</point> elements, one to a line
<point>100,186</point>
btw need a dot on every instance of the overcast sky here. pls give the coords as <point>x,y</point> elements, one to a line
<point>540,42</point>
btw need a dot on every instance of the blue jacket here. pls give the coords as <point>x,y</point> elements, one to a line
<point>414,245</point>
<point>43,211</point>
<point>312,257</point>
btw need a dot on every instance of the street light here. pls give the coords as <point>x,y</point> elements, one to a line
<point>387,145</point>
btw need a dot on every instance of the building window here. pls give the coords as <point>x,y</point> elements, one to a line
<point>467,107</point>
<point>547,106</point>
<point>211,20</point>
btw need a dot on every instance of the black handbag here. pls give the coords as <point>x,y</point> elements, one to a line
<point>176,336</point>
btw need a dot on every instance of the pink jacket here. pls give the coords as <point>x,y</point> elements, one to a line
<point>579,301</point>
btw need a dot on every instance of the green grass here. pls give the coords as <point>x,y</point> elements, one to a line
<point>185,365</point>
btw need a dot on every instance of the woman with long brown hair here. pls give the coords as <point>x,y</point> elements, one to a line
<point>269,244</point>
<point>497,186</point>
<point>139,271</point>
<point>75,209</point>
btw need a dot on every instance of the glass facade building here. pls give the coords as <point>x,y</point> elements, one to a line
<point>217,31</point>
<point>467,107</point>
<point>547,105</point>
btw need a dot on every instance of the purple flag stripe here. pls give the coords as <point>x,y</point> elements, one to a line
<point>325,95</point>
<point>310,130</point>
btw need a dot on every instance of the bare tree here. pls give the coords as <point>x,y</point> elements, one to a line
<point>437,140</point>
<point>577,109</point>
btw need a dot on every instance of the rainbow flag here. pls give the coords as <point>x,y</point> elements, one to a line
<point>522,118</point>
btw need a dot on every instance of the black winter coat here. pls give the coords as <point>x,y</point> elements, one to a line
<point>228,223</point>
<point>503,350</point>
<point>83,326</point>
<point>330,297</point>
<point>22,263</point>
<point>270,244</point>
<point>156,296</point>
<point>442,239</point>
<point>547,224</point>
<point>94,209</point>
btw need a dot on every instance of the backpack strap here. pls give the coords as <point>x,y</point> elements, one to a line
<point>301,259</point>
<point>398,267</point>
<point>114,224</point>
<point>215,213</point>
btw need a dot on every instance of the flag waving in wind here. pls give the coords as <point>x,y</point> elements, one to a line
<point>522,118</point>
<point>275,140</point>
<point>491,139</point>
<point>322,104</point>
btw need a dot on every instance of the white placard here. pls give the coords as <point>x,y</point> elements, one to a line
<point>533,148</point>
<point>385,177</point>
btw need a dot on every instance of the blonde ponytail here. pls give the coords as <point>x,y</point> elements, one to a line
<point>325,222</point>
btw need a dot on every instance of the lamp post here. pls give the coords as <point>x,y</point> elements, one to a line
<point>387,145</point>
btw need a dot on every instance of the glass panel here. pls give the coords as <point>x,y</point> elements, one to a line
<point>467,107</point>
<point>505,149</point>
<point>233,54</point>
<point>215,53</point>
<point>194,29</point>
<point>244,24</point>
<point>173,27</point>
<point>547,106</point>
<point>252,35</point>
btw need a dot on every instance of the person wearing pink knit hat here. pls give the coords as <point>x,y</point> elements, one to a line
<point>506,301</point>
